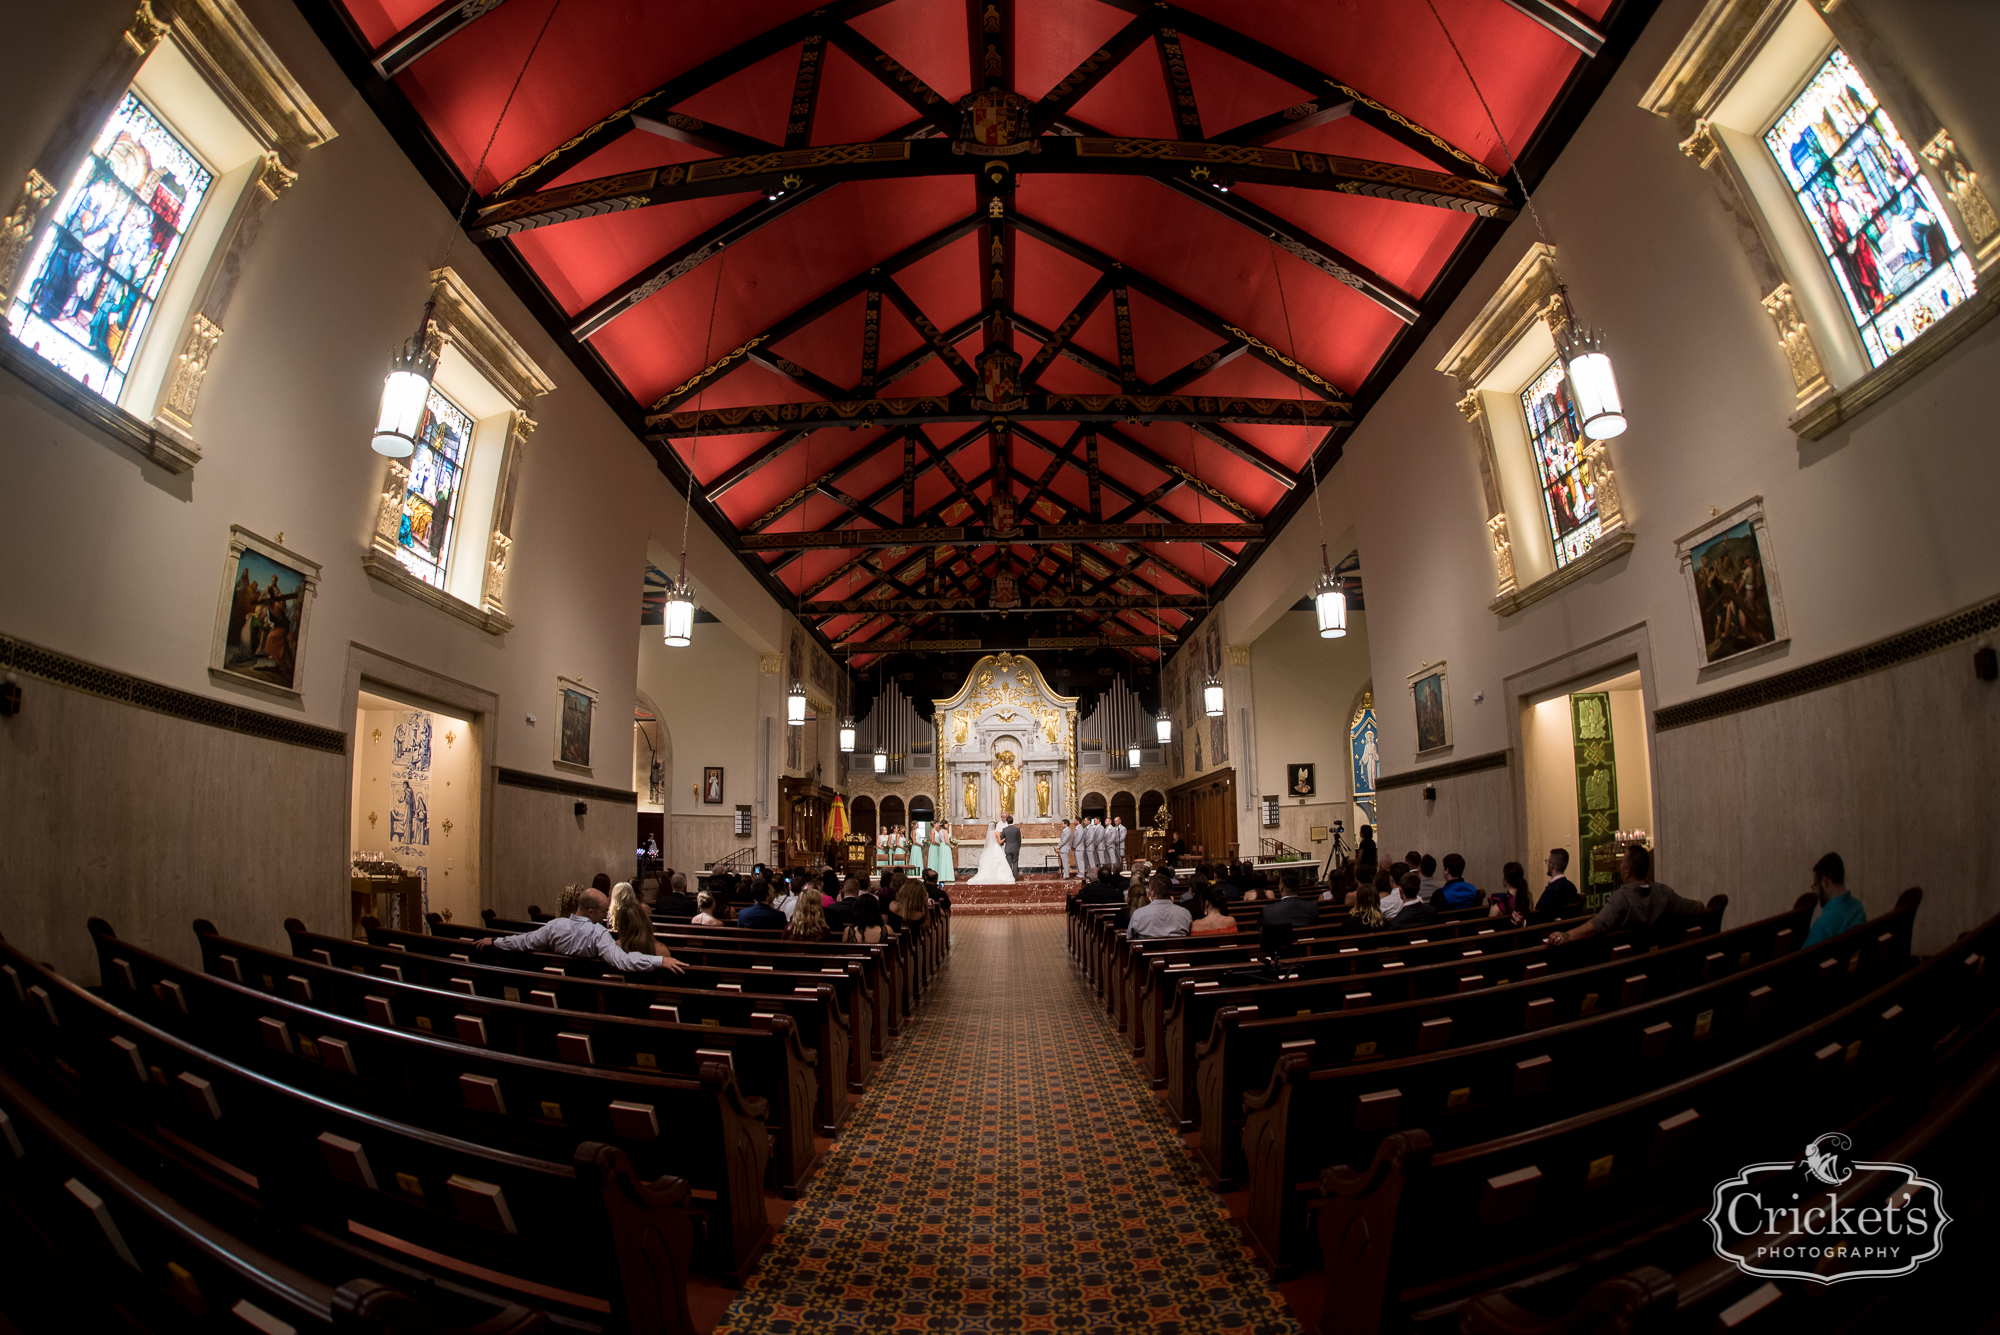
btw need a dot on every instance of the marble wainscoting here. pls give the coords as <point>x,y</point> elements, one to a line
<point>540,844</point>
<point>150,821</point>
<point>1473,816</point>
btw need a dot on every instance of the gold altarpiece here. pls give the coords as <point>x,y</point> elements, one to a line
<point>1006,724</point>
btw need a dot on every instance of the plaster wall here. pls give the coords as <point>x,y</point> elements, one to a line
<point>1304,689</point>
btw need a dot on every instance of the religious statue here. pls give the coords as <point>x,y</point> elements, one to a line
<point>971,796</point>
<point>1006,774</point>
<point>961,723</point>
<point>1052,729</point>
<point>1041,794</point>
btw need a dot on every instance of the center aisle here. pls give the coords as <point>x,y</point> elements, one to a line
<point>1008,1171</point>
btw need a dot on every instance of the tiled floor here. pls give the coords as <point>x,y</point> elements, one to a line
<point>1008,1171</point>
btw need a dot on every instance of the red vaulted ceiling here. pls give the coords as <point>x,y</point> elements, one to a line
<point>597,57</point>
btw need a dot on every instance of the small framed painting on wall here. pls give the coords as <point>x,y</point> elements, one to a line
<point>576,706</point>
<point>261,621</point>
<point>711,784</point>
<point>1430,695</point>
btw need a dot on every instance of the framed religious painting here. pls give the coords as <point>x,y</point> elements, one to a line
<point>1732,582</point>
<point>576,706</point>
<point>263,615</point>
<point>1301,780</point>
<point>711,784</point>
<point>1430,696</point>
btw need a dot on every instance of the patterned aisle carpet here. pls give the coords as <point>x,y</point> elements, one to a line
<point>1008,1171</point>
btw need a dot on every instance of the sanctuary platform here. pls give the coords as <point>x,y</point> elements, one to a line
<point>1030,894</point>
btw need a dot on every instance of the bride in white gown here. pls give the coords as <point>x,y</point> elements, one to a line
<point>993,868</point>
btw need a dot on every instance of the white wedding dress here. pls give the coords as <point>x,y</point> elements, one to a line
<point>993,868</point>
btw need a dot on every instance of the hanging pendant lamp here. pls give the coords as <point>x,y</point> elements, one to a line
<point>1592,385</point>
<point>1329,601</point>
<point>1211,697</point>
<point>795,706</point>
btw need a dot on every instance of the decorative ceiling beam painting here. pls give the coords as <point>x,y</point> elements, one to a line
<point>412,43</point>
<point>1096,478</point>
<point>871,338</point>
<point>1070,350</point>
<point>990,42</point>
<point>1026,535</point>
<point>853,413</point>
<point>1298,73</point>
<point>805,91</point>
<point>1176,381</point>
<point>580,147</point>
<point>1180,87</point>
<point>1295,119</point>
<point>832,299</point>
<point>1074,86</point>
<point>932,335</point>
<point>903,159</point>
<point>1059,338</point>
<point>704,135</point>
<point>1572,26</point>
<point>921,97</point>
<point>1121,315</point>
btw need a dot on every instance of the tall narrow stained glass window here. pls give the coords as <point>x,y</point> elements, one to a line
<point>1888,242</point>
<point>430,501</point>
<point>1569,500</point>
<point>101,266</point>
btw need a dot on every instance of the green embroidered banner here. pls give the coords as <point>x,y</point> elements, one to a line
<point>1596,796</point>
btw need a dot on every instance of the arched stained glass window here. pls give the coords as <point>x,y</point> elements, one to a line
<point>1569,501</point>
<point>1879,224</point>
<point>430,501</point>
<point>101,265</point>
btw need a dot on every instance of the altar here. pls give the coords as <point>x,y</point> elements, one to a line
<point>1006,745</point>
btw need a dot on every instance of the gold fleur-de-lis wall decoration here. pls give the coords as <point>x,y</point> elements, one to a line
<point>447,825</point>
<point>378,734</point>
<point>449,738</point>
<point>371,820</point>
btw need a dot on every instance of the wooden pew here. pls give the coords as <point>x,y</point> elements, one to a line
<point>726,947</point>
<point>483,1071</point>
<point>1330,985</point>
<point>732,964</point>
<point>1341,956</point>
<point>588,1241</point>
<point>530,1019</point>
<point>109,1249</point>
<point>1687,1290</point>
<point>1302,1108</point>
<point>1418,1230</point>
<point>587,990</point>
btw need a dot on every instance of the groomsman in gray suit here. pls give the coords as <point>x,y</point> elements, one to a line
<point>1096,845</point>
<point>1117,833</point>
<point>1086,861</point>
<point>1065,848</point>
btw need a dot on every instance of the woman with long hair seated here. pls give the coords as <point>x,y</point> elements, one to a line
<point>1367,909</point>
<point>632,923</point>
<point>1135,898</point>
<point>864,922</point>
<point>1514,901</point>
<point>809,918</point>
<point>1215,919</point>
<point>912,904</point>
<point>705,910</point>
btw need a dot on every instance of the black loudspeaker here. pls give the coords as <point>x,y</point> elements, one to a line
<point>1985,666</point>
<point>582,807</point>
<point>10,697</point>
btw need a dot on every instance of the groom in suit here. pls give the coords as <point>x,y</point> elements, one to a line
<point>1010,840</point>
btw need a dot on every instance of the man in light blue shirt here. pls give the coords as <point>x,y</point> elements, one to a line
<point>1161,916</point>
<point>1838,911</point>
<point>583,934</point>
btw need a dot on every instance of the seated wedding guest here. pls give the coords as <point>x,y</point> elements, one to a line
<point>838,911</point>
<point>1367,908</point>
<point>809,919</point>
<point>864,922</point>
<point>568,899</point>
<point>1839,911</point>
<point>1512,900</point>
<point>1104,889</point>
<point>632,925</point>
<point>1430,883</point>
<point>1559,898</point>
<point>1412,861</point>
<point>760,915</point>
<point>1259,889</point>
<point>1416,911</point>
<point>704,910</point>
<point>602,884</point>
<point>829,885</point>
<point>1389,894</point>
<point>675,901</point>
<point>785,896</point>
<point>1298,907</point>
<point>1215,919</point>
<point>583,934</point>
<point>1638,904</point>
<point>912,906</point>
<point>1160,916</point>
<point>1456,892</point>
<point>935,891</point>
<point>1341,888</point>
<point>1135,899</point>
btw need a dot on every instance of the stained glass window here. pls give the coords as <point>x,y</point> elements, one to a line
<point>430,501</point>
<point>100,267</point>
<point>1890,247</point>
<point>1569,500</point>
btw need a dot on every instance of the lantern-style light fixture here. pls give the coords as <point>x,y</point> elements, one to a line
<point>1592,386</point>
<point>1132,754</point>
<point>1329,600</point>
<point>847,734</point>
<point>678,612</point>
<point>795,705</point>
<point>1163,726</point>
<point>881,758</point>
<point>405,392</point>
<point>1211,697</point>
